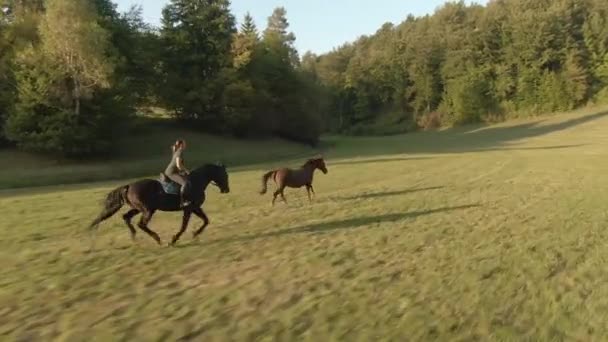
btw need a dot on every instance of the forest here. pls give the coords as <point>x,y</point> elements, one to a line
<point>74,73</point>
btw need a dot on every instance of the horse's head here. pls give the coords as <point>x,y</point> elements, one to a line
<point>318,163</point>
<point>219,177</point>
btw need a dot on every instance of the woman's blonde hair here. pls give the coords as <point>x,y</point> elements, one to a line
<point>178,143</point>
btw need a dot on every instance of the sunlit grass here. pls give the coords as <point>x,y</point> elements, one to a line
<point>493,234</point>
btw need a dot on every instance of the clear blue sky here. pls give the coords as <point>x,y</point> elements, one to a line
<point>319,25</point>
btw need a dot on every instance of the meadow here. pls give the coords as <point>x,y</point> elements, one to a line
<point>476,233</point>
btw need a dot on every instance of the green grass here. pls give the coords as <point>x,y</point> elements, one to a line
<point>489,233</point>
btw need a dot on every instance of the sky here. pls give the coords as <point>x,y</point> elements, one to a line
<point>319,25</point>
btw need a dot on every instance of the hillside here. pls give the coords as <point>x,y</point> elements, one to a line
<point>478,233</point>
<point>144,152</point>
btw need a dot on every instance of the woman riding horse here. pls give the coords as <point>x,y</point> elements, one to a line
<point>146,196</point>
<point>176,171</point>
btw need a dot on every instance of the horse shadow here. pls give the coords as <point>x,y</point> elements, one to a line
<point>373,195</point>
<point>378,160</point>
<point>337,225</point>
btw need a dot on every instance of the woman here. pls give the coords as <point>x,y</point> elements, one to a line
<point>177,172</point>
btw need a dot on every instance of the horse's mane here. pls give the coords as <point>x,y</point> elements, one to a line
<point>310,161</point>
<point>202,168</point>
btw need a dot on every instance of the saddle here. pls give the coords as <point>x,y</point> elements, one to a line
<point>169,186</point>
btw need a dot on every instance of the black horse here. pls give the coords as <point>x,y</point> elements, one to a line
<point>146,196</point>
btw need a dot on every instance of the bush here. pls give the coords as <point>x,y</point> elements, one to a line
<point>555,93</point>
<point>6,107</point>
<point>297,123</point>
<point>601,97</point>
<point>239,107</point>
<point>44,129</point>
<point>430,121</point>
<point>469,98</point>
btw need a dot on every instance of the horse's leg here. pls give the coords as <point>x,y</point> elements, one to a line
<point>280,190</point>
<point>127,218</point>
<point>279,181</point>
<point>143,225</point>
<point>312,190</point>
<point>277,192</point>
<point>200,213</point>
<point>274,196</point>
<point>308,193</point>
<point>185,220</point>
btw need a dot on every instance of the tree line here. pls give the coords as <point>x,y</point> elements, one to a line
<point>467,63</point>
<point>73,72</point>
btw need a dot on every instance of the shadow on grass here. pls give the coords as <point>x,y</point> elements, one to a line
<point>458,140</point>
<point>377,160</point>
<point>352,223</point>
<point>388,193</point>
<point>529,130</point>
<point>538,148</point>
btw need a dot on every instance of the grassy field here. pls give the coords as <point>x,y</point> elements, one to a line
<point>482,233</point>
<point>144,151</point>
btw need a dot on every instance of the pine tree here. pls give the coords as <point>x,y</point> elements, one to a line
<point>278,39</point>
<point>197,37</point>
<point>245,44</point>
<point>248,26</point>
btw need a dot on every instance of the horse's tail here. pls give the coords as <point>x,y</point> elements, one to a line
<point>265,181</point>
<point>114,201</point>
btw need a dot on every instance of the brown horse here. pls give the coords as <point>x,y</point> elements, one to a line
<point>285,177</point>
<point>146,196</point>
